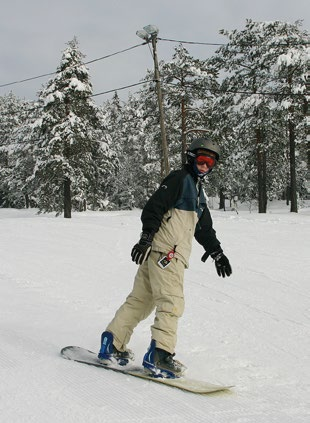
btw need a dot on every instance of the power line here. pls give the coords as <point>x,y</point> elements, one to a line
<point>138,45</point>
<point>86,63</point>
<point>248,93</point>
<point>276,93</point>
<point>114,54</point>
<point>191,42</point>
<point>119,89</point>
<point>27,79</point>
<point>214,91</point>
<point>303,43</point>
<point>139,83</point>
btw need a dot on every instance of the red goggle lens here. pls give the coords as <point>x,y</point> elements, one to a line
<point>209,161</point>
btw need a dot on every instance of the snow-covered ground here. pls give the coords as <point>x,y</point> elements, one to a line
<point>61,280</point>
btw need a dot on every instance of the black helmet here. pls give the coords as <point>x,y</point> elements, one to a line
<point>203,144</point>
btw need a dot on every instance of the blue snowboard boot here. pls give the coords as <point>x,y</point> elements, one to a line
<point>108,354</point>
<point>161,363</point>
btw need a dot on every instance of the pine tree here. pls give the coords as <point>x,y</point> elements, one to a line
<point>12,114</point>
<point>290,69</point>
<point>188,82</point>
<point>117,121</point>
<point>71,144</point>
<point>141,147</point>
<point>249,100</point>
<point>21,181</point>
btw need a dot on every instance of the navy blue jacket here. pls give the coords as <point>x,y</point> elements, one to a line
<point>177,212</point>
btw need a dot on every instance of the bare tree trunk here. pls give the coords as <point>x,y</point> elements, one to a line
<point>67,198</point>
<point>27,201</point>
<point>293,184</point>
<point>261,173</point>
<point>288,195</point>
<point>222,200</point>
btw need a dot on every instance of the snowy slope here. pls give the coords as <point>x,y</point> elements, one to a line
<point>61,281</point>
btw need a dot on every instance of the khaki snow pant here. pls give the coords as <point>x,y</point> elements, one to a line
<point>154,288</point>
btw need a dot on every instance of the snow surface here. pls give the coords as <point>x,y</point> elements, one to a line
<point>61,280</point>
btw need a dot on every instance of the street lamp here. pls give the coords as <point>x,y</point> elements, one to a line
<point>149,33</point>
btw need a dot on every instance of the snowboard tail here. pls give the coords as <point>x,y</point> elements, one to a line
<point>85,356</point>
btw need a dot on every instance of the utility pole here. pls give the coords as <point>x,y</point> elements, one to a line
<point>165,166</point>
<point>149,33</point>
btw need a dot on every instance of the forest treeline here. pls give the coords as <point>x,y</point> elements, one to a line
<point>64,152</point>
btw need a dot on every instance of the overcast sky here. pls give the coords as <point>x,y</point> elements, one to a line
<point>34,34</point>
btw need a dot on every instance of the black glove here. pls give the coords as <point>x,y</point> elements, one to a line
<point>141,251</point>
<point>222,264</point>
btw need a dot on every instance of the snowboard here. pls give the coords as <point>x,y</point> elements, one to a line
<point>82,355</point>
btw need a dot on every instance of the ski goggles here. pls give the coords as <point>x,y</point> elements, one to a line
<point>208,160</point>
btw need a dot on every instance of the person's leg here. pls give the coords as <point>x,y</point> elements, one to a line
<point>137,307</point>
<point>167,288</point>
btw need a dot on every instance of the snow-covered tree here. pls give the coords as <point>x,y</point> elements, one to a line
<point>140,146</point>
<point>249,99</point>
<point>20,181</point>
<point>188,82</point>
<point>289,71</point>
<point>13,113</point>
<point>73,156</point>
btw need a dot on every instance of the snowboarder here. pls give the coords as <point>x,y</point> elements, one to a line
<point>174,214</point>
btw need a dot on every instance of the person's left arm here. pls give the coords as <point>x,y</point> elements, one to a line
<point>206,236</point>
